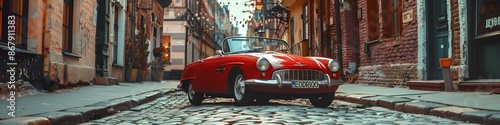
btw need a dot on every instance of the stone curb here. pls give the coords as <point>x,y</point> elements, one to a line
<point>87,113</point>
<point>26,121</point>
<point>426,108</point>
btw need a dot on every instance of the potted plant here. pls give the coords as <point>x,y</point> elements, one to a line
<point>129,57</point>
<point>159,63</point>
<point>141,55</point>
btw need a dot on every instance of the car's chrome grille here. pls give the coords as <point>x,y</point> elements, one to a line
<point>299,74</point>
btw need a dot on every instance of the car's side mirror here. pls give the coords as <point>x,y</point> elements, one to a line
<point>219,52</point>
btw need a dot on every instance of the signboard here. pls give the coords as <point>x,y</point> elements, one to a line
<point>488,16</point>
<point>408,16</point>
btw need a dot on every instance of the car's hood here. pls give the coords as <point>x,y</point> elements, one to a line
<point>289,61</point>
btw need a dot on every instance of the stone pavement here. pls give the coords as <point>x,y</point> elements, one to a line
<point>83,104</point>
<point>475,107</point>
<point>174,109</point>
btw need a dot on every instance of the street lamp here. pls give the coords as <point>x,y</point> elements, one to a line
<point>258,6</point>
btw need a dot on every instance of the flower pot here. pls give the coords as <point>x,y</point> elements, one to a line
<point>133,76</point>
<point>157,74</point>
<point>145,74</point>
<point>445,62</point>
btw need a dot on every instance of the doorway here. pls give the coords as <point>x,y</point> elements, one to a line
<point>438,43</point>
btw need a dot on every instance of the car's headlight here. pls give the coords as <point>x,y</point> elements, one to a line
<point>333,66</point>
<point>263,64</point>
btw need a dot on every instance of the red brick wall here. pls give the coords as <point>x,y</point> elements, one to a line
<point>350,39</point>
<point>333,29</point>
<point>398,49</point>
<point>388,56</point>
<point>455,28</point>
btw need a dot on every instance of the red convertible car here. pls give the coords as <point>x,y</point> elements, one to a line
<point>255,69</point>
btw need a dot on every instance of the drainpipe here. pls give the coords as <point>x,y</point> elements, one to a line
<point>46,43</point>
<point>339,39</point>
<point>187,36</point>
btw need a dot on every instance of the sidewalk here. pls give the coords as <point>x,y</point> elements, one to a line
<point>91,99</point>
<point>476,107</point>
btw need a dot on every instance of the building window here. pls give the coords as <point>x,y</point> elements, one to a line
<point>292,31</point>
<point>153,17</point>
<point>392,17</point>
<point>372,14</point>
<point>155,32</point>
<point>18,9</point>
<point>305,25</point>
<point>115,43</point>
<point>67,29</point>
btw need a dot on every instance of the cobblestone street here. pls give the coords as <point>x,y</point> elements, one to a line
<point>175,109</point>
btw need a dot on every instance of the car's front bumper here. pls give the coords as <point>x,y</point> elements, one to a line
<point>278,83</point>
<point>285,87</point>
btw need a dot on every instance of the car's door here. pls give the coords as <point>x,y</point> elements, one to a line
<point>223,69</point>
<point>205,76</point>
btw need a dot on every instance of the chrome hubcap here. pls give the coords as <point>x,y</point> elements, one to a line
<point>191,92</point>
<point>239,87</point>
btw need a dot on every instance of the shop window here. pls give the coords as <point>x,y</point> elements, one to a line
<point>67,28</point>
<point>391,16</point>
<point>488,17</point>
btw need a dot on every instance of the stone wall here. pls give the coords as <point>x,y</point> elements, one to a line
<point>350,38</point>
<point>387,75</point>
<point>455,29</point>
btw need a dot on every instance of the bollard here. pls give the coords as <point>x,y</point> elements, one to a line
<point>448,80</point>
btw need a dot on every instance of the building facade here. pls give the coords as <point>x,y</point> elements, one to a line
<point>395,42</point>
<point>203,30</point>
<point>174,34</point>
<point>58,37</point>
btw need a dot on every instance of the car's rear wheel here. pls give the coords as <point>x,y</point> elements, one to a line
<point>323,100</point>
<point>195,98</point>
<point>242,95</point>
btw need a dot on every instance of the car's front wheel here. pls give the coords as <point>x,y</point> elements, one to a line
<point>323,100</point>
<point>262,99</point>
<point>242,95</point>
<point>195,98</point>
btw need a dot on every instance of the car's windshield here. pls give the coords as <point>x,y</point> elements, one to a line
<point>250,44</point>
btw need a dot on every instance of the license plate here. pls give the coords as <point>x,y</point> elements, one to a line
<point>305,84</point>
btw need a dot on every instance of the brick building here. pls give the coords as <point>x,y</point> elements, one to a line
<point>397,42</point>
<point>388,52</point>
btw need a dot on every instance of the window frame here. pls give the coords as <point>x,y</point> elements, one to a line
<point>21,22</point>
<point>67,39</point>
<point>305,22</point>
<point>393,16</point>
<point>116,30</point>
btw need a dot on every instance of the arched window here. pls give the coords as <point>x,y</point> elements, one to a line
<point>153,17</point>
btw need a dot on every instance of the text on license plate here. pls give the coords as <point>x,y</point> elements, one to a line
<point>305,84</point>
